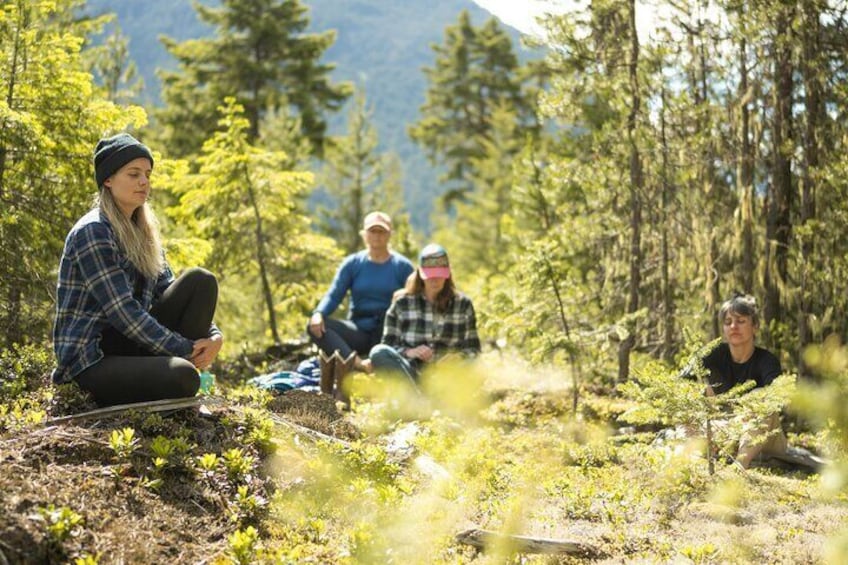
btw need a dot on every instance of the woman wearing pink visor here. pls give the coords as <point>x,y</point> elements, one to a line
<point>429,320</point>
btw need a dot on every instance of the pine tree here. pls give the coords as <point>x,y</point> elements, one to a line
<point>352,173</point>
<point>114,69</point>
<point>475,236</point>
<point>474,72</point>
<point>52,116</point>
<point>262,56</point>
<point>252,209</point>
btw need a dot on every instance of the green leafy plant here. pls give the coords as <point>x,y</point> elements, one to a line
<point>172,452</point>
<point>23,368</point>
<point>257,429</point>
<point>245,505</point>
<point>238,464</point>
<point>123,442</point>
<point>161,447</point>
<point>208,462</point>
<point>244,545</point>
<point>62,522</point>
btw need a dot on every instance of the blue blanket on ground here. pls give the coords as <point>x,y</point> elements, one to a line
<point>307,377</point>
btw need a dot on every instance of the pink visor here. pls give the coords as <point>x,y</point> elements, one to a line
<point>435,266</point>
<point>435,273</point>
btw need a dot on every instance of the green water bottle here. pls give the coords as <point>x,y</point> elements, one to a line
<point>207,382</point>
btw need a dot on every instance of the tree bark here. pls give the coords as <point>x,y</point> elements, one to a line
<point>778,225</point>
<point>813,96</point>
<point>636,185</point>
<point>262,260</point>
<point>745,174</point>
<point>665,267</point>
<point>10,92</point>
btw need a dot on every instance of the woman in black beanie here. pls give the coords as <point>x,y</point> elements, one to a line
<point>125,329</point>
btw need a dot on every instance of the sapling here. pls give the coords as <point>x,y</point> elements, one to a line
<point>664,396</point>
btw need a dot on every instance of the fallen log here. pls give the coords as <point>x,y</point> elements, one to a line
<point>487,539</point>
<point>309,432</point>
<point>150,406</point>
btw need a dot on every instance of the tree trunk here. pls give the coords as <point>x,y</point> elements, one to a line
<point>262,261</point>
<point>813,107</point>
<point>778,225</point>
<point>566,330</point>
<point>10,94</point>
<point>636,185</point>
<point>358,192</point>
<point>13,310</point>
<point>665,266</point>
<point>13,323</point>
<point>745,175</point>
<point>707,174</point>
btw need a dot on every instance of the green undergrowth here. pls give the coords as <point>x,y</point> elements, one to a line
<point>467,453</point>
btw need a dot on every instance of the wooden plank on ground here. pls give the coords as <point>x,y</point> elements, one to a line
<point>150,406</point>
<point>486,539</point>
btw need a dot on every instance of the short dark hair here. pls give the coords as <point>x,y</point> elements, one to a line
<point>741,305</point>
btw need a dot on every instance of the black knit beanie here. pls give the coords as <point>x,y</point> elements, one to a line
<point>114,152</point>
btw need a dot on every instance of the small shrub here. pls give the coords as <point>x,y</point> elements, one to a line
<point>238,465</point>
<point>244,545</point>
<point>123,443</point>
<point>23,368</point>
<point>61,522</point>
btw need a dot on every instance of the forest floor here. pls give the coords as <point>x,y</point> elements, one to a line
<point>294,478</point>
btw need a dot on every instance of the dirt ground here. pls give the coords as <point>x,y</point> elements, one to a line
<point>124,520</point>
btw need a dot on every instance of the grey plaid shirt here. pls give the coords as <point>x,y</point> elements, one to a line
<point>412,321</point>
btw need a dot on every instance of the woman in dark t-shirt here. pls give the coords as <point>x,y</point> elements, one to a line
<point>737,360</point>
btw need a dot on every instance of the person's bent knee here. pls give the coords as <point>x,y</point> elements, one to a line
<point>202,278</point>
<point>382,353</point>
<point>309,333</point>
<point>185,380</point>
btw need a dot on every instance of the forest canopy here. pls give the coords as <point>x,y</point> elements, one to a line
<point>599,202</point>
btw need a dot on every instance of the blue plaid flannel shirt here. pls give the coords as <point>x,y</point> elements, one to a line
<point>95,291</point>
<point>412,321</point>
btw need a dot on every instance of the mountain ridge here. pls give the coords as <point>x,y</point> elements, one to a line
<point>372,50</point>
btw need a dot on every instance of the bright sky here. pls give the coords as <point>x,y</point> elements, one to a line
<point>522,14</point>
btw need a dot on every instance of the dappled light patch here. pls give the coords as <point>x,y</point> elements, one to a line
<point>517,407</point>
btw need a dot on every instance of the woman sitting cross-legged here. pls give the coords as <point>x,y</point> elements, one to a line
<point>125,329</point>
<point>428,321</point>
<point>738,360</point>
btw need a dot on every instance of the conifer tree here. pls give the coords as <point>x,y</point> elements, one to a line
<point>352,173</point>
<point>475,71</point>
<point>52,116</point>
<point>475,236</point>
<point>389,196</point>
<point>262,56</point>
<point>252,210</point>
<point>114,69</point>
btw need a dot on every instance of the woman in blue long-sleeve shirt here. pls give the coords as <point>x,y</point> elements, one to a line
<point>371,276</point>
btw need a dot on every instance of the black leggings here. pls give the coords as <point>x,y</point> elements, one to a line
<point>130,373</point>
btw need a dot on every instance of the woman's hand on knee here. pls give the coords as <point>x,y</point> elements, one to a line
<point>205,350</point>
<point>316,324</point>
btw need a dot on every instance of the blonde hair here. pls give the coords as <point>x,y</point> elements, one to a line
<point>138,237</point>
